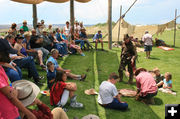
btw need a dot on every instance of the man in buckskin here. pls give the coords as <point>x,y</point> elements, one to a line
<point>128,57</point>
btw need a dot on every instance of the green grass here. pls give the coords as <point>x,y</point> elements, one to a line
<point>99,64</point>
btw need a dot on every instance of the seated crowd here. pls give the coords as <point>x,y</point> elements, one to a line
<point>22,49</point>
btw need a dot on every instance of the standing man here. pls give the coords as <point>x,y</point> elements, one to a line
<point>98,38</point>
<point>128,57</point>
<point>108,95</point>
<point>148,43</point>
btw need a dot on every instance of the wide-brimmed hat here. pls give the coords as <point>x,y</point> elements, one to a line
<point>38,24</point>
<point>5,47</point>
<point>139,70</point>
<point>24,21</point>
<point>27,91</point>
<point>44,30</point>
<point>90,116</point>
<point>27,33</point>
<point>91,92</point>
<point>19,37</point>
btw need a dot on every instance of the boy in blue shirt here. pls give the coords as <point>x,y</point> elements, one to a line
<point>51,74</point>
<point>98,38</point>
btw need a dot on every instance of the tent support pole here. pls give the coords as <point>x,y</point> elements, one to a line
<point>119,23</point>
<point>34,15</point>
<point>110,24</point>
<point>175,27</point>
<point>72,18</point>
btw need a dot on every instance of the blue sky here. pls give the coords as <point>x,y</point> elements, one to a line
<point>144,11</point>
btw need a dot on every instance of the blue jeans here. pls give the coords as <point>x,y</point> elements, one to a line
<point>18,117</point>
<point>14,75</point>
<point>62,50</point>
<point>28,63</point>
<point>117,105</point>
<point>44,51</point>
<point>81,43</point>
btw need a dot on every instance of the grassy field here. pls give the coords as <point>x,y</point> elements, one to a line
<point>99,64</point>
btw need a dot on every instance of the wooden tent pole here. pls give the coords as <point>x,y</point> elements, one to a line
<point>110,24</point>
<point>72,18</point>
<point>119,23</point>
<point>34,15</point>
<point>175,27</point>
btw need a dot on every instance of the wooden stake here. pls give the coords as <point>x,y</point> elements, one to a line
<point>34,15</point>
<point>175,27</point>
<point>110,24</point>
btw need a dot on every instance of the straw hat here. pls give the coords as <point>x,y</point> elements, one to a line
<point>24,21</point>
<point>90,116</point>
<point>27,91</point>
<point>27,33</point>
<point>44,30</point>
<point>139,70</point>
<point>91,92</point>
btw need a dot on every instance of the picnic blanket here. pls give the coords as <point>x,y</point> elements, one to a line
<point>127,92</point>
<point>166,90</point>
<point>166,48</point>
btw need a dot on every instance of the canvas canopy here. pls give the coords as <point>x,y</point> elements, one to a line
<point>137,31</point>
<point>29,1</point>
<point>39,1</point>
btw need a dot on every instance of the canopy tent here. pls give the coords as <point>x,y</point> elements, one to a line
<point>137,31</point>
<point>34,2</point>
<point>39,1</point>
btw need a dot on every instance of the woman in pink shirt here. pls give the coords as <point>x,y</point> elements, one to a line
<point>9,103</point>
<point>146,86</point>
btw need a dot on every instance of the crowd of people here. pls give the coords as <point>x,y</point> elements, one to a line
<point>24,48</point>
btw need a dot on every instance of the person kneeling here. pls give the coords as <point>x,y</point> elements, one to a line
<point>108,95</point>
<point>61,91</point>
<point>146,86</point>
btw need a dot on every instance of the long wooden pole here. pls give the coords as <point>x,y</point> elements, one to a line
<point>175,27</point>
<point>129,8</point>
<point>119,23</point>
<point>34,15</point>
<point>72,18</point>
<point>110,24</point>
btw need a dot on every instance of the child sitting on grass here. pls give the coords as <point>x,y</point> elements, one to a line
<point>158,77</point>
<point>62,90</point>
<point>51,74</point>
<point>166,83</point>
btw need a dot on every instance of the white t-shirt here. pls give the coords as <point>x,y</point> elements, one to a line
<point>147,38</point>
<point>67,30</point>
<point>107,91</point>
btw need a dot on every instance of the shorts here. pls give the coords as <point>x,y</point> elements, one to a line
<point>147,47</point>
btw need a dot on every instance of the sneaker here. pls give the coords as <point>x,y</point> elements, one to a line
<point>65,109</point>
<point>37,82</point>
<point>40,77</point>
<point>76,105</point>
<point>83,77</point>
<point>73,99</point>
<point>82,54</point>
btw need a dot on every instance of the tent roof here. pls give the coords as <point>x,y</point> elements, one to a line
<point>39,1</point>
